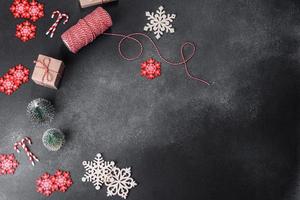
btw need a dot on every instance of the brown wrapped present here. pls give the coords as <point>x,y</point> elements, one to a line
<point>88,3</point>
<point>47,71</point>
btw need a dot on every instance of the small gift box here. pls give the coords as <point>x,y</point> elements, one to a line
<point>47,71</point>
<point>88,3</point>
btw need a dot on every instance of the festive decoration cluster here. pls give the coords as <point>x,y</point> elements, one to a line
<point>53,139</point>
<point>99,172</point>
<point>8,164</point>
<point>61,181</point>
<point>33,11</point>
<point>150,69</point>
<point>40,111</point>
<point>13,79</point>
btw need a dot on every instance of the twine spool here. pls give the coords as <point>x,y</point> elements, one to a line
<point>87,29</point>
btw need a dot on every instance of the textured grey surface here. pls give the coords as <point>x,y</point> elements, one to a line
<point>237,139</point>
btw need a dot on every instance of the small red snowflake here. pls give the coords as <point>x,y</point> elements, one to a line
<point>63,180</point>
<point>8,84</point>
<point>36,10</point>
<point>25,31</point>
<point>8,164</point>
<point>19,9</point>
<point>150,69</point>
<point>20,73</point>
<point>46,184</point>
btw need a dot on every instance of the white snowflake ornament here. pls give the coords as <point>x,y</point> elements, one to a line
<point>159,22</point>
<point>98,171</point>
<point>120,182</point>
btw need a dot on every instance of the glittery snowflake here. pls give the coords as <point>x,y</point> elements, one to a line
<point>25,31</point>
<point>8,84</point>
<point>8,164</point>
<point>97,171</point>
<point>150,69</point>
<point>46,184</point>
<point>19,9</point>
<point>36,10</point>
<point>120,182</point>
<point>63,180</point>
<point>159,22</point>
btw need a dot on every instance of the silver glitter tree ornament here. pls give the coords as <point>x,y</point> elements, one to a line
<point>40,111</point>
<point>53,139</point>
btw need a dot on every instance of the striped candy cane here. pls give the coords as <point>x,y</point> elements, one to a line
<point>60,16</point>
<point>22,144</point>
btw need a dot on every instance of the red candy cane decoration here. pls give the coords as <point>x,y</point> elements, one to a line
<point>22,144</point>
<point>59,15</point>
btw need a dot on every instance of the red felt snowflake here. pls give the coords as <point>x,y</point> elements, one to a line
<point>8,84</point>
<point>46,184</point>
<point>36,10</point>
<point>20,73</point>
<point>63,180</point>
<point>150,69</point>
<point>25,31</point>
<point>19,9</point>
<point>8,164</point>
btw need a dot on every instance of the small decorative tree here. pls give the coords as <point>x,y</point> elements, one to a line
<point>40,111</point>
<point>53,139</point>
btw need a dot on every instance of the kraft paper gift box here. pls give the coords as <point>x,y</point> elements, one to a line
<point>88,3</point>
<point>47,71</point>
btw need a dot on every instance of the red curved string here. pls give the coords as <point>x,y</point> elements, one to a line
<point>183,61</point>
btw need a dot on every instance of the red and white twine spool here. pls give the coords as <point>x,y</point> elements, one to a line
<point>22,144</point>
<point>60,16</point>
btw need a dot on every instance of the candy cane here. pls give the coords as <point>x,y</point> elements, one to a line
<point>52,29</point>
<point>22,144</point>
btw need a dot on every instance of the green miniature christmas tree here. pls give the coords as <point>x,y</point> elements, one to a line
<point>53,139</point>
<point>40,111</point>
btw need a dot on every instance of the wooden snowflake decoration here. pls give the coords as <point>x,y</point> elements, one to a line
<point>120,182</point>
<point>159,22</point>
<point>99,172</point>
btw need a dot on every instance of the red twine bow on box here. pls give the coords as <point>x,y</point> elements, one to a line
<point>22,144</point>
<point>60,16</point>
<point>45,64</point>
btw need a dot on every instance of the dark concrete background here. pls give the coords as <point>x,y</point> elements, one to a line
<point>237,139</point>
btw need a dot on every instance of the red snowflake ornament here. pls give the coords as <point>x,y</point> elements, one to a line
<point>19,9</point>
<point>25,31</point>
<point>63,180</point>
<point>8,164</point>
<point>46,184</point>
<point>20,73</point>
<point>36,10</point>
<point>8,84</point>
<point>151,69</point>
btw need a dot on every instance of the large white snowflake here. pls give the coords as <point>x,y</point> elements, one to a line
<point>159,22</point>
<point>98,171</point>
<point>120,182</point>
